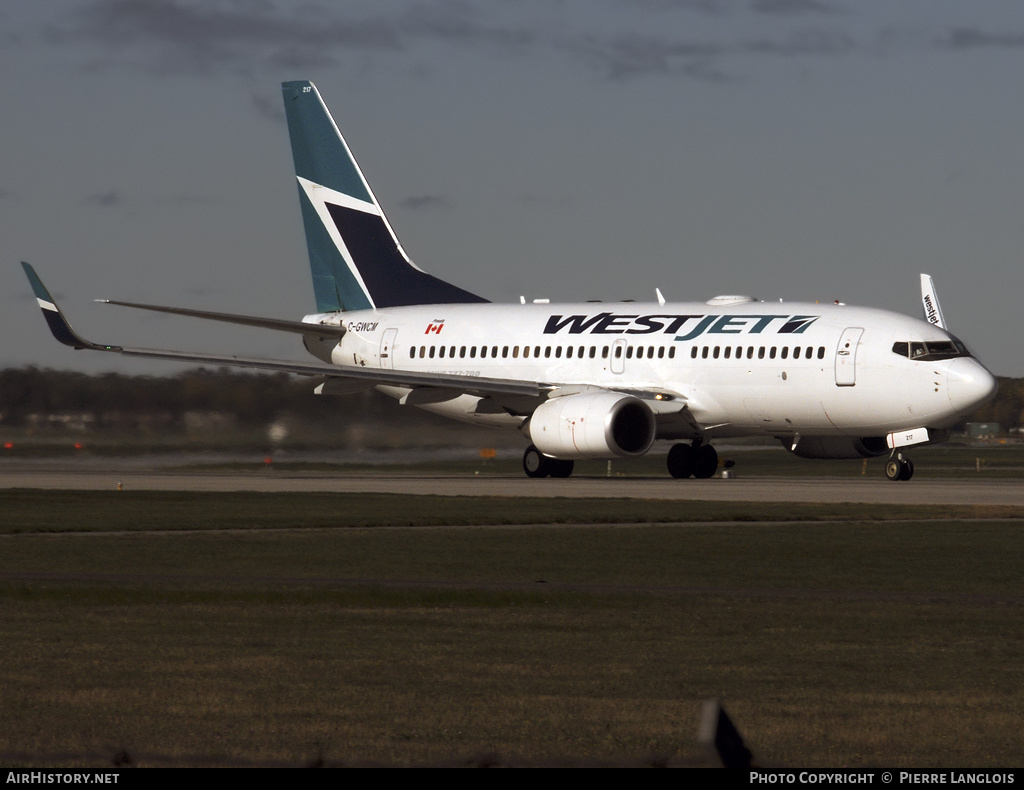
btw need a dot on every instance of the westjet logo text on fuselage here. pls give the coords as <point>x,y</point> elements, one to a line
<point>690,326</point>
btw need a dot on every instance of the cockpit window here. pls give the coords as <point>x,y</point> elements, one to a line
<point>931,350</point>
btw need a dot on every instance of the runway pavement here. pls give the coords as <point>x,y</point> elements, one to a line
<point>965,491</point>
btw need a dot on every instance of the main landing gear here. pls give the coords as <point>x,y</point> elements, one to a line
<point>899,468</point>
<point>536,464</point>
<point>696,460</point>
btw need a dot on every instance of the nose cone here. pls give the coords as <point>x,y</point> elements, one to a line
<point>971,386</point>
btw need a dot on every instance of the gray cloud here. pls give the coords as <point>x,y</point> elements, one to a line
<point>791,7</point>
<point>172,36</point>
<point>970,38</point>
<point>624,56</point>
<point>176,36</point>
<point>420,202</point>
<point>107,199</point>
<point>805,42</point>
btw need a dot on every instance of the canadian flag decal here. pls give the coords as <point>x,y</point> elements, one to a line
<point>434,328</point>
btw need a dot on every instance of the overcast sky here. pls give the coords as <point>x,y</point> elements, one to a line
<point>569,149</point>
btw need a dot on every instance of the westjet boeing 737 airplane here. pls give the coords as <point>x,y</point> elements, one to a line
<point>593,380</point>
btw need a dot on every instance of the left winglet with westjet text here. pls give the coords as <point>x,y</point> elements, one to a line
<point>55,319</point>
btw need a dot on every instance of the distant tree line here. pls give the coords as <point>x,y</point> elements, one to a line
<point>1008,407</point>
<point>252,399</point>
<point>258,399</point>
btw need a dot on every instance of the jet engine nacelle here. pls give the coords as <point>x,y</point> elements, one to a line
<point>592,425</point>
<point>838,446</point>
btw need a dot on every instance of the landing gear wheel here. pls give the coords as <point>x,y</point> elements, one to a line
<point>534,462</point>
<point>558,467</point>
<point>899,468</point>
<point>680,461</point>
<point>706,462</point>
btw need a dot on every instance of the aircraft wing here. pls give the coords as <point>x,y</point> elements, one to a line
<point>300,327</point>
<point>62,331</point>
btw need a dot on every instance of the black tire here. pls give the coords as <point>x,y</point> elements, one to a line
<point>559,468</point>
<point>706,463</point>
<point>680,461</point>
<point>907,470</point>
<point>535,463</point>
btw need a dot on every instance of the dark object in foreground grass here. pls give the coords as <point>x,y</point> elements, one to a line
<point>720,739</point>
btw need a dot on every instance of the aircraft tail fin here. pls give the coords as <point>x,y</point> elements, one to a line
<point>356,260</point>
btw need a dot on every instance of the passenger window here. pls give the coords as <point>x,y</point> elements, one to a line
<point>771,353</point>
<point>785,352</point>
<point>431,352</point>
<point>693,353</point>
<point>672,352</point>
<point>821,352</point>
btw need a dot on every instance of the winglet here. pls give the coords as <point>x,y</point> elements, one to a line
<point>930,302</point>
<point>55,319</point>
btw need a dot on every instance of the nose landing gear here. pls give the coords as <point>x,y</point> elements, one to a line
<point>899,468</point>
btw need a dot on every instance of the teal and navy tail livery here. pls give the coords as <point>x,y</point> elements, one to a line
<point>584,380</point>
<point>357,261</point>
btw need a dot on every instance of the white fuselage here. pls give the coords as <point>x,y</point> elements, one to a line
<point>744,368</point>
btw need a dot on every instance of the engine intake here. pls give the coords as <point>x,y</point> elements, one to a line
<point>598,425</point>
<point>838,446</point>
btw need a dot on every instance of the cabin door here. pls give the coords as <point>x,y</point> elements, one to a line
<point>846,356</point>
<point>387,349</point>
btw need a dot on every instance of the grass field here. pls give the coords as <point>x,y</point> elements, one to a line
<point>279,628</point>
